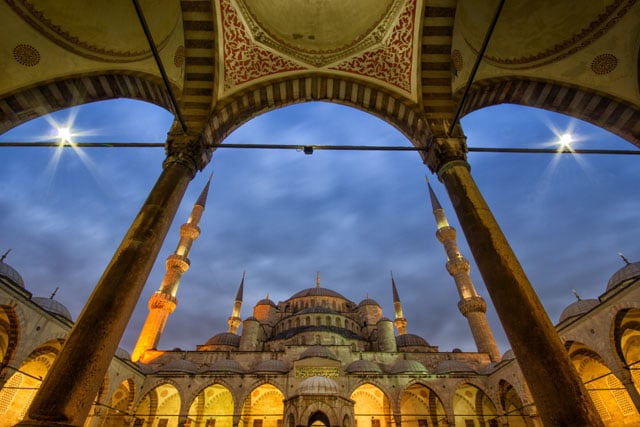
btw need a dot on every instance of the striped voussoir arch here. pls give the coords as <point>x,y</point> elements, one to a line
<point>611,114</point>
<point>436,68</point>
<point>197,94</point>
<point>37,101</point>
<point>238,109</point>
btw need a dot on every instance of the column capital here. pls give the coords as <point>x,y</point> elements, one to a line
<point>445,151</point>
<point>190,150</point>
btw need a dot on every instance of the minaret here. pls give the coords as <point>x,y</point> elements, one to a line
<point>471,305</point>
<point>234,320</point>
<point>400,321</point>
<point>163,301</point>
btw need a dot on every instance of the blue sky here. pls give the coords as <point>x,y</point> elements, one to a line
<point>282,215</point>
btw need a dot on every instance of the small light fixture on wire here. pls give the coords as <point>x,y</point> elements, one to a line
<point>307,149</point>
<point>64,136</point>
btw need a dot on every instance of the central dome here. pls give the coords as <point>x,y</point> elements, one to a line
<point>316,292</point>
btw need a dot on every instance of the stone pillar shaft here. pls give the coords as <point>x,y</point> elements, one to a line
<point>555,385</point>
<point>66,394</point>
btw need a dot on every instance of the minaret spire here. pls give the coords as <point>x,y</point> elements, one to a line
<point>400,321</point>
<point>234,319</point>
<point>163,301</point>
<point>471,305</point>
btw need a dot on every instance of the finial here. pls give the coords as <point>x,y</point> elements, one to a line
<point>4,255</point>
<point>619,253</point>
<point>202,200</point>
<point>55,291</point>
<point>396,297</point>
<point>318,279</point>
<point>576,294</point>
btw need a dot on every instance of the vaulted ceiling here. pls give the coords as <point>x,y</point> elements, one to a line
<point>407,61</point>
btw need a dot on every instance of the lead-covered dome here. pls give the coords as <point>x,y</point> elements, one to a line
<point>316,292</point>
<point>628,272</point>
<point>179,365</point>
<point>403,365</point>
<point>368,301</point>
<point>318,385</point>
<point>224,338</point>
<point>578,308</point>
<point>451,366</point>
<point>54,307</point>
<point>271,365</point>
<point>11,274</point>
<point>411,340</point>
<point>318,351</point>
<point>363,367</point>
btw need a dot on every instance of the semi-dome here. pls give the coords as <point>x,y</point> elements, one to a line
<point>316,292</point>
<point>224,338</point>
<point>54,307</point>
<point>224,365</point>
<point>11,274</point>
<point>368,301</point>
<point>363,367</point>
<point>411,340</point>
<point>271,365</point>
<point>404,365</point>
<point>179,365</point>
<point>318,351</point>
<point>318,385</point>
<point>450,366</point>
<point>578,308</point>
<point>628,272</point>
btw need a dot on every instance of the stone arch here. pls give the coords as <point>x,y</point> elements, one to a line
<point>512,406</point>
<point>9,338</point>
<point>609,396</point>
<point>312,411</point>
<point>263,406</point>
<point>119,405</point>
<point>394,109</point>
<point>318,417</point>
<point>372,407</point>
<point>626,340</point>
<point>615,115</point>
<point>22,385</point>
<point>213,405</point>
<point>472,406</point>
<point>159,404</point>
<point>45,98</point>
<point>420,406</point>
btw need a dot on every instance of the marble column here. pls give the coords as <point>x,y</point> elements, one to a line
<point>67,392</point>
<point>559,394</point>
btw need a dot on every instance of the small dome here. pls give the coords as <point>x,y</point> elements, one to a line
<point>179,365</point>
<point>271,366</point>
<point>224,338</point>
<point>318,385</point>
<point>316,292</point>
<point>266,301</point>
<point>318,351</point>
<point>368,301</point>
<point>251,319</point>
<point>224,365</point>
<point>54,307</point>
<point>11,274</point>
<point>121,353</point>
<point>450,366</point>
<point>411,340</point>
<point>628,272</point>
<point>508,355</point>
<point>402,366</point>
<point>488,368</point>
<point>578,308</point>
<point>363,367</point>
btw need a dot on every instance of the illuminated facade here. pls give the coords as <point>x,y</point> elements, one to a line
<point>319,358</point>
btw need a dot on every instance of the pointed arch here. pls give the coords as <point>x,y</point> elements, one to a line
<point>263,407</point>
<point>472,406</point>
<point>36,101</point>
<point>9,338</point>
<point>609,396</point>
<point>22,385</point>
<point>614,115</point>
<point>420,406</point>
<point>213,406</point>
<point>318,418</point>
<point>512,405</point>
<point>372,407</point>
<point>161,404</point>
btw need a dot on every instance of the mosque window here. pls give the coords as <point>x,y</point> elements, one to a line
<point>337,322</point>
<point>297,322</point>
<point>211,422</point>
<point>257,423</point>
<point>163,422</point>
<point>329,320</point>
<point>375,422</point>
<point>423,423</point>
<point>318,321</point>
<point>307,321</point>
<point>138,423</point>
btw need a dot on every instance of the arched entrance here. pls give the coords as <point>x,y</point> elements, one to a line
<point>318,419</point>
